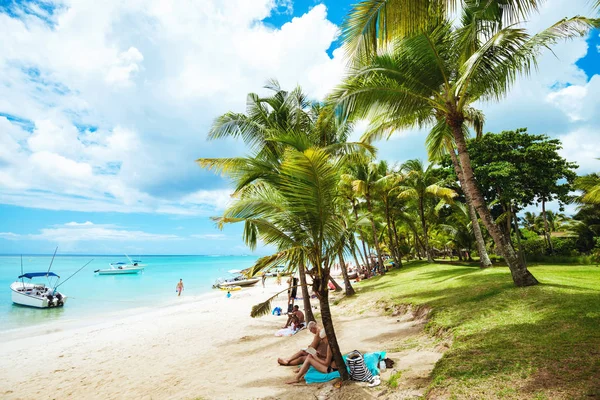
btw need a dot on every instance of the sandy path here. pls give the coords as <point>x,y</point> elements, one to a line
<point>208,349</point>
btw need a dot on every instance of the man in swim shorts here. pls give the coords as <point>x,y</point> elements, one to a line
<point>179,288</point>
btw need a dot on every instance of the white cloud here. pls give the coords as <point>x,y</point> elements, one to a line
<point>570,100</point>
<point>120,96</point>
<point>89,232</point>
<point>219,199</point>
<point>125,67</point>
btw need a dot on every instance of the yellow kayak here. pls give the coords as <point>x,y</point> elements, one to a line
<point>230,288</point>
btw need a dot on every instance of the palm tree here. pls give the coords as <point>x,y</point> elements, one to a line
<point>439,143</point>
<point>296,208</point>
<point>419,184</point>
<point>460,228</point>
<point>364,176</point>
<point>267,120</point>
<point>531,221</point>
<point>433,76</point>
<point>590,186</point>
<point>390,203</point>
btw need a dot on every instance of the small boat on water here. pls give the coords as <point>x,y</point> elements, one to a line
<point>37,294</point>
<point>238,280</point>
<point>121,268</point>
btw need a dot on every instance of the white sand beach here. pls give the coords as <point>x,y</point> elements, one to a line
<point>206,347</point>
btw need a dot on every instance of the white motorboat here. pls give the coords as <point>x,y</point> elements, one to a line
<point>238,280</point>
<point>121,268</point>
<point>35,294</point>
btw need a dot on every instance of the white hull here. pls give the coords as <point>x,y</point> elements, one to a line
<point>120,271</point>
<point>32,295</point>
<point>245,282</point>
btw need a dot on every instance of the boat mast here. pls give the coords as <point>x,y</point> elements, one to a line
<point>50,266</point>
<point>22,279</point>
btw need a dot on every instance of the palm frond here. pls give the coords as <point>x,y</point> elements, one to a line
<point>371,24</point>
<point>493,68</point>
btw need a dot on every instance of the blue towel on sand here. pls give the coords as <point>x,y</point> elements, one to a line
<point>371,360</point>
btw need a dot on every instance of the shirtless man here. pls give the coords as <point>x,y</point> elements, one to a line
<point>296,318</point>
<point>179,287</point>
<point>318,344</point>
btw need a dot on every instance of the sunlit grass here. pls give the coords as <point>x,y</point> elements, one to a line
<point>508,342</point>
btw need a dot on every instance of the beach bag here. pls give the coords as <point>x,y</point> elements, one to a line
<point>358,368</point>
<point>277,311</point>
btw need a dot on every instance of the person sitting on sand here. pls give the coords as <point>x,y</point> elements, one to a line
<point>296,317</point>
<point>299,357</point>
<point>325,365</point>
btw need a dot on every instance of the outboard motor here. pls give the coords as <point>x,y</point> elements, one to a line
<point>50,300</point>
<point>59,301</point>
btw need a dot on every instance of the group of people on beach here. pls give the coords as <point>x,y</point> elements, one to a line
<point>318,355</point>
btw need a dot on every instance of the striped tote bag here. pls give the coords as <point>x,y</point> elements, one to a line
<point>358,368</point>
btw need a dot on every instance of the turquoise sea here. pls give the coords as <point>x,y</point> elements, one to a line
<point>93,295</point>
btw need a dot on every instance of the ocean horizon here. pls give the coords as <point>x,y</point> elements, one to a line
<point>92,295</point>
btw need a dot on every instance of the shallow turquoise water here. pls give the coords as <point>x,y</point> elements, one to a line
<point>90,294</point>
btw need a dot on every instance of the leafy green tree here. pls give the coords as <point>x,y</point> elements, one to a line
<point>433,76</point>
<point>514,167</point>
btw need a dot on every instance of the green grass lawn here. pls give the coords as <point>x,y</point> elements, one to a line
<point>540,342</point>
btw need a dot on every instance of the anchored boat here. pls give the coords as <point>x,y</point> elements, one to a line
<point>238,280</point>
<point>37,294</point>
<point>122,268</point>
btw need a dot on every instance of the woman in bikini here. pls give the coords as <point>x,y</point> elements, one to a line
<point>325,366</point>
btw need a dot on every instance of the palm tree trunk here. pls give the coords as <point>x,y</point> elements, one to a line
<point>353,251</point>
<point>368,265</point>
<point>330,331</point>
<point>520,274</point>
<point>425,236</point>
<point>308,314</point>
<point>348,286</point>
<point>397,242</point>
<point>484,259</point>
<point>518,235</point>
<point>393,246</point>
<point>362,257</point>
<point>546,230</point>
<point>375,240</point>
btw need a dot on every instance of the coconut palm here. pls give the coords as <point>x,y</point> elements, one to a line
<point>296,209</point>
<point>439,143</point>
<point>433,76</point>
<point>589,185</point>
<point>460,228</point>
<point>364,176</point>
<point>419,184</point>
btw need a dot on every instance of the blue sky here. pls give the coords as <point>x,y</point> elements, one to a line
<point>104,106</point>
